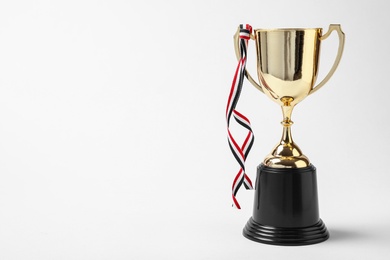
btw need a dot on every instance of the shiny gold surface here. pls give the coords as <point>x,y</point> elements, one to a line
<point>341,35</point>
<point>287,61</point>
<point>287,68</point>
<point>286,154</point>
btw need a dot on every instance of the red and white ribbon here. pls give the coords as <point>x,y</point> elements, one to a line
<point>239,152</point>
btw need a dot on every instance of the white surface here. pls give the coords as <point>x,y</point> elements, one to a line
<point>113,141</point>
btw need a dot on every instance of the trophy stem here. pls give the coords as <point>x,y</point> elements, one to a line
<point>286,154</point>
<point>287,111</point>
<point>287,136</point>
<point>287,123</point>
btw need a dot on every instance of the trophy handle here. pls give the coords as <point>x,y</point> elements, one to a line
<point>236,47</point>
<point>332,27</point>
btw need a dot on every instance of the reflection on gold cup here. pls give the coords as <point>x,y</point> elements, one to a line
<point>287,68</point>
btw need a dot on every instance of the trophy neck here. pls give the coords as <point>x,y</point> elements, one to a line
<point>287,154</point>
<point>287,109</point>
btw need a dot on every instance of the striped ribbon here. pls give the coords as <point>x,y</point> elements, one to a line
<point>239,152</point>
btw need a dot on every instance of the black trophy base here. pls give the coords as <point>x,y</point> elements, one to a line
<point>286,236</point>
<point>286,208</point>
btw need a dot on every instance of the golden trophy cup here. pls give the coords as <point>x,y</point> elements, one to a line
<point>286,210</point>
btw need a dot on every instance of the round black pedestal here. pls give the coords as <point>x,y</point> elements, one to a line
<point>286,236</point>
<point>286,208</point>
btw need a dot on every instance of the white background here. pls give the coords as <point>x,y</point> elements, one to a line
<point>113,137</point>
